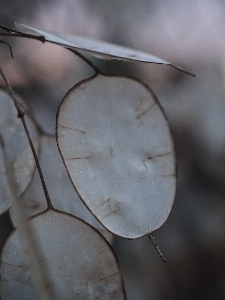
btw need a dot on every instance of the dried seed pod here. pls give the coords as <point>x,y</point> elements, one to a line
<point>77,261</point>
<point>116,145</point>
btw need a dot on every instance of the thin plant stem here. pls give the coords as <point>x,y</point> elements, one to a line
<point>16,33</point>
<point>85,59</point>
<point>152,239</point>
<point>10,49</point>
<point>25,35</point>
<point>21,115</point>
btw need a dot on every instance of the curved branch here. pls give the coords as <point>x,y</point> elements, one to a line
<point>10,49</point>
<point>85,59</point>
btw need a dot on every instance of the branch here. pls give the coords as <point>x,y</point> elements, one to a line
<point>21,115</point>
<point>16,33</point>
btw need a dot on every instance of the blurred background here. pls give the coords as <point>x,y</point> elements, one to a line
<point>187,33</point>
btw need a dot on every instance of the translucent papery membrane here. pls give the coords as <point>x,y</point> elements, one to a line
<point>116,145</point>
<point>63,195</point>
<point>77,262</point>
<point>98,48</point>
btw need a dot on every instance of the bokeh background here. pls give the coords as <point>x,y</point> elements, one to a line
<point>187,33</point>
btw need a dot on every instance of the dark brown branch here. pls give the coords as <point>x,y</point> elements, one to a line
<point>25,35</point>
<point>156,246</point>
<point>21,115</point>
<point>12,32</point>
<point>19,110</point>
<point>6,28</point>
<point>9,30</point>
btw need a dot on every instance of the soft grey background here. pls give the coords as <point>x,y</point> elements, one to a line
<point>187,33</point>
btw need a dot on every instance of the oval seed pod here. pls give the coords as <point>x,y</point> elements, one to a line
<point>78,262</point>
<point>116,145</point>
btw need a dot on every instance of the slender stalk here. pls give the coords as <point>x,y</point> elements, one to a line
<point>25,35</point>
<point>152,239</point>
<point>12,32</point>
<point>9,30</point>
<point>10,49</point>
<point>85,59</point>
<point>21,115</point>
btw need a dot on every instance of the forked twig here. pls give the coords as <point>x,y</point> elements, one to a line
<point>156,246</point>
<point>21,115</point>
